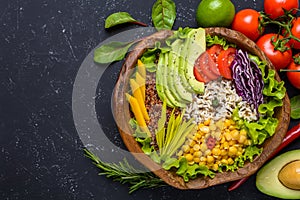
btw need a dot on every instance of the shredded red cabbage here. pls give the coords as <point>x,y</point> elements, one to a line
<point>247,79</point>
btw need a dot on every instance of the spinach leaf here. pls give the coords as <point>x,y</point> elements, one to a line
<point>121,18</point>
<point>163,14</point>
<point>113,51</point>
<point>295,107</point>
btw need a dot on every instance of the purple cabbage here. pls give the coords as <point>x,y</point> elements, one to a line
<point>247,79</point>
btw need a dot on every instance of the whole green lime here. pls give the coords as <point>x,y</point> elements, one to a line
<point>213,13</point>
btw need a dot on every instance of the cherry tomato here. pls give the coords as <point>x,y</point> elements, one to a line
<point>294,77</point>
<point>247,22</point>
<point>296,32</point>
<point>274,8</point>
<point>279,59</point>
<point>225,59</point>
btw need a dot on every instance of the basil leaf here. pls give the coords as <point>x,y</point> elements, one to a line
<point>113,51</point>
<point>120,18</point>
<point>295,107</point>
<point>163,14</point>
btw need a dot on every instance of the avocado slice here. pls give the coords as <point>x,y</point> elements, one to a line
<point>179,90</point>
<point>170,76</point>
<point>195,45</point>
<point>267,180</point>
<point>181,72</point>
<point>159,80</point>
<point>167,91</point>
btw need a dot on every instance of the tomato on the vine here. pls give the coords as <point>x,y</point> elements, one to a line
<point>295,32</point>
<point>247,22</point>
<point>294,77</point>
<point>275,8</point>
<point>279,58</point>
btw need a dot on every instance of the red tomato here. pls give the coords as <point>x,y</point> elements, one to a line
<point>198,75</point>
<point>214,51</point>
<point>274,8</point>
<point>279,59</point>
<point>296,32</point>
<point>294,77</point>
<point>204,67</point>
<point>224,62</point>
<point>247,22</point>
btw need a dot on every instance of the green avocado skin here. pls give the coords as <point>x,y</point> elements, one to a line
<point>267,177</point>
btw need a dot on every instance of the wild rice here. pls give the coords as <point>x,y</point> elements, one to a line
<point>218,102</point>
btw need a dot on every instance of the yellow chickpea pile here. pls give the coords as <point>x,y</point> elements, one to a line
<point>229,144</point>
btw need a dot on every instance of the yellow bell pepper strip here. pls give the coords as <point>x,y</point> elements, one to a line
<point>135,108</point>
<point>141,69</point>
<point>139,97</point>
<point>141,82</point>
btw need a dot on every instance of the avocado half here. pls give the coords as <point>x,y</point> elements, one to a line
<point>267,180</point>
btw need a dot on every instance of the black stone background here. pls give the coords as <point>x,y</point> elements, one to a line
<point>42,45</point>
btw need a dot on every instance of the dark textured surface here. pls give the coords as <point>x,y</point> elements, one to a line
<point>42,45</point>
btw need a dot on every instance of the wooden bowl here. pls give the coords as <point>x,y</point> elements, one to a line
<point>122,115</point>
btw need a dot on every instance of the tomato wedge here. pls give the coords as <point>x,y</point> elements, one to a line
<point>224,60</point>
<point>214,51</point>
<point>214,62</point>
<point>203,68</point>
<point>197,75</point>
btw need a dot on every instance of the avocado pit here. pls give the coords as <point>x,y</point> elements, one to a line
<point>289,175</point>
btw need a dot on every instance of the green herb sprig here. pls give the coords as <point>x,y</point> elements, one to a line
<point>125,173</point>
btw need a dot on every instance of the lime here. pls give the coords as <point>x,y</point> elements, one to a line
<point>212,13</point>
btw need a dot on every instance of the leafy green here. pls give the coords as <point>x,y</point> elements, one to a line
<point>150,56</point>
<point>191,171</point>
<point>268,108</point>
<point>272,87</point>
<point>124,173</point>
<point>295,107</point>
<point>113,51</point>
<point>211,40</point>
<point>120,18</point>
<point>163,14</point>
<point>261,130</point>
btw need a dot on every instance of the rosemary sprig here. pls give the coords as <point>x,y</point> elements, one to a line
<point>124,173</point>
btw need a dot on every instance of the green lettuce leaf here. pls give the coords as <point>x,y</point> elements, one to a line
<point>211,40</point>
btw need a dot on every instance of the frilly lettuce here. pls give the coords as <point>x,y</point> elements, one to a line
<point>187,171</point>
<point>211,40</point>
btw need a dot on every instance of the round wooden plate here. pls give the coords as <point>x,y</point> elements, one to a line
<point>122,115</point>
